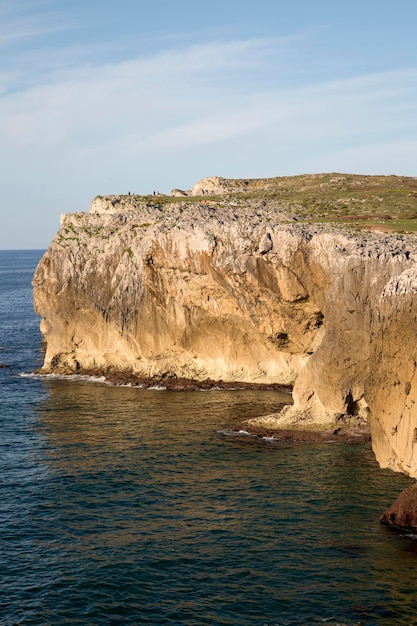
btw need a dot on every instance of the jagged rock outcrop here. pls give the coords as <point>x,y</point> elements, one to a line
<point>241,291</point>
<point>402,514</point>
<point>218,186</point>
<point>212,186</point>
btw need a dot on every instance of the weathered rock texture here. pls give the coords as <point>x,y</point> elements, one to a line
<point>403,512</point>
<point>238,290</point>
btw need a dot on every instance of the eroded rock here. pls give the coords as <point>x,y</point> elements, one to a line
<point>238,290</point>
<point>402,515</point>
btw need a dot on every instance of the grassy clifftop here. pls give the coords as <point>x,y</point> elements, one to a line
<point>385,203</point>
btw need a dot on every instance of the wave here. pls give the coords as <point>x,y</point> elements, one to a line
<point>245,433</point>
<point>235,433</point>
<point>84,377</point>
<point>90,379</point>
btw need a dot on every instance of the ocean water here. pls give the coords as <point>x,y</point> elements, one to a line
<point>132,506</point>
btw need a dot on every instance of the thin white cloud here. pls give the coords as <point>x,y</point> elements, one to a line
<point>85,114</point>
<point>28,21</point>
<point>214,108</point>
<point>25,29</point>
<point>153,90</point>
<point>377,157</point>
<point>198,96</point>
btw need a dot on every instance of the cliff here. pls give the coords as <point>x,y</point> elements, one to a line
<point>286,280</point>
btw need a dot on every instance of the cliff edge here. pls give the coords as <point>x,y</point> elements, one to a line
<point>277,281</point>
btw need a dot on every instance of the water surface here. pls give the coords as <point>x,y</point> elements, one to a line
<point>129,506</point>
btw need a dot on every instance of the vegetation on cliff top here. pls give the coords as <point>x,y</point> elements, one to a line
<point>387,203</point>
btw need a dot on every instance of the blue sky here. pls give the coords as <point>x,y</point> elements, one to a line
<point>102,97</point>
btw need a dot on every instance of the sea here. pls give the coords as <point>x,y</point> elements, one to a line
<point>122,505</point>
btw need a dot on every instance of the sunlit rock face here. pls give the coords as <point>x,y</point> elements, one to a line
<point>240,293</point>
<point>184,291</point>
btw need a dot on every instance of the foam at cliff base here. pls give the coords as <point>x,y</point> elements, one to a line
<point>91,379</point>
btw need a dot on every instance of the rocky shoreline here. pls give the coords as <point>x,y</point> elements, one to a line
<point>352,434</point>
<point>278,281</point>
<point>171,383</point>
<point>340,435</point>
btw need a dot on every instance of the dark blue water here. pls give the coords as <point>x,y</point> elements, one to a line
<point>126,506</point>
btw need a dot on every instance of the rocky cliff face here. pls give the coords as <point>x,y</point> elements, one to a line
<point>241,290</point>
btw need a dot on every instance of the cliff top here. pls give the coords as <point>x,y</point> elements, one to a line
<point>384,203</point>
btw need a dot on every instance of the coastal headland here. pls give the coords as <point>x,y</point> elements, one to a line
<point>308,282</point>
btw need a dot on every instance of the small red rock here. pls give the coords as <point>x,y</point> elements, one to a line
<point>403,512</point>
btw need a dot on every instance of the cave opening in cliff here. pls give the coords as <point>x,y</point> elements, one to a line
<point>352,406</point>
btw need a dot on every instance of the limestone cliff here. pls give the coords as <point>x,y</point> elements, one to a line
<point>245,288</point>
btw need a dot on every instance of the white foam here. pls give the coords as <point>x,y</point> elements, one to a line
<point>91,379</point>
<point>234,433</point>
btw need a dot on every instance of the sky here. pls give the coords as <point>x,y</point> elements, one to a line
<point>100,97</point>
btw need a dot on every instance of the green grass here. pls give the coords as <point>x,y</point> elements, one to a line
<point>354,200</point>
